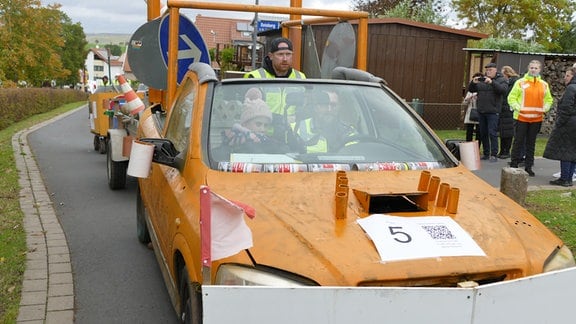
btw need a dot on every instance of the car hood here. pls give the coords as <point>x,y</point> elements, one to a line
<point>295,228</point>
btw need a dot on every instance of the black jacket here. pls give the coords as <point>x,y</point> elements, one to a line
<point>490,96</point>
<point>506,121</point>
<point>562,144</point>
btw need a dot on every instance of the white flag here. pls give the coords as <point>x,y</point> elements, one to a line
<point>224,221</point>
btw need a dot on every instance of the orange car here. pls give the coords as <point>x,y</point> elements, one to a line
<point>348,185</point>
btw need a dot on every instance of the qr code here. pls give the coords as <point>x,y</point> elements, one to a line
<point>439,232</point>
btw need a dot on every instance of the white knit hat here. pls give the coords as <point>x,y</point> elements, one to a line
<point>255,108</point>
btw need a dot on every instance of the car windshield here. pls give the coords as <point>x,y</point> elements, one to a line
<point>288,126</point>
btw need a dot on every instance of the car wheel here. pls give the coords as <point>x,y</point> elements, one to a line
<point>141,226</point>
<point>190,299</point>
<point>116,171</point>
<point>96,143</point>
<point>102,146</point>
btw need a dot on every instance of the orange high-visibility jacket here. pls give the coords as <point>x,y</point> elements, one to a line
<point>530,98</point>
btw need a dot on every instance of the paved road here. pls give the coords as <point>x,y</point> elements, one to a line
<point>117,280</point>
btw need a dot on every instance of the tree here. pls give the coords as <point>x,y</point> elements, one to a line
<point>38,43</point>
<point>422,11</point>
<point>374,8</point>
<point>31,37</point>
<point>509,44</point>
<point>429,11</point>
<point>539,21</point>
<point>73,52</point>
<point>567,40</point>
<point>115,49</point>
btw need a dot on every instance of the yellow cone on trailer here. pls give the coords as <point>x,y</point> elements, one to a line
<point>133,103</point>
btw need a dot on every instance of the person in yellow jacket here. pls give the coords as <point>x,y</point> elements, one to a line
<point>529,99</point>
<point>323,131</point>
<point>278,64</point>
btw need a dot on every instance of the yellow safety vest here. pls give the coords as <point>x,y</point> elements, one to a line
<point>304,130</point>
<point>275,98</point>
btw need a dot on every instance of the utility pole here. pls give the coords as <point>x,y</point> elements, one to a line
<point>109,72</point>
<point>254,38</point>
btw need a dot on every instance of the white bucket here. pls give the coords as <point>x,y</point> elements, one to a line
<point>470,155</point>
<point>140,159</point>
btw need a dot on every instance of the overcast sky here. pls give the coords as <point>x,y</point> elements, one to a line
<point>124,17</point>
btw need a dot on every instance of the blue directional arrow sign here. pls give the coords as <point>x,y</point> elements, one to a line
<point>191,46</point>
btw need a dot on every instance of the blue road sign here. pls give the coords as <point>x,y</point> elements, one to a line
<point>267,25</point>
<point>191,46</point>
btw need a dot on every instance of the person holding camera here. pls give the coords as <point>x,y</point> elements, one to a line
<point>491,88</point>
<point>471,116</point>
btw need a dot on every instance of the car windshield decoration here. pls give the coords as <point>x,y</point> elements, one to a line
<point>315,126</point>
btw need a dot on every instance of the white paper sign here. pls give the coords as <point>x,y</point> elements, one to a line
<point>403,238</point>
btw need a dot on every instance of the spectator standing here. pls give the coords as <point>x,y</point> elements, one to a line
<point>561,144</point>
<point>506,119</point>
<point>491,90</point>
<point>471,125</point>
<point>530,99</point>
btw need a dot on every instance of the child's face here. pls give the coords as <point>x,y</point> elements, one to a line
<point>258,124</point>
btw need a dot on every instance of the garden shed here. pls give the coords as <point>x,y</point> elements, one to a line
<point>419,61</point>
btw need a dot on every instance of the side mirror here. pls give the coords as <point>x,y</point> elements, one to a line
<point>453,146</point>
<point>165,152</point>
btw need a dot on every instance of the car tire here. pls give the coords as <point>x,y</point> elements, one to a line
<point>141,225</point>
<point>103,146</point>
<point>96,143</point>
<point>190,299</point>
<point>116,170</point>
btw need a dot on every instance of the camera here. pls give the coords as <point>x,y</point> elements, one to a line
<point>481,79</point>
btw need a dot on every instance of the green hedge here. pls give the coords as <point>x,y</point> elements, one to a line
<point>17,104</point>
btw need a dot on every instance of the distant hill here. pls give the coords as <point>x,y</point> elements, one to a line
<point>102,39</point>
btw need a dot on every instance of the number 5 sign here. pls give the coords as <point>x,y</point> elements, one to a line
<point>403,238</point>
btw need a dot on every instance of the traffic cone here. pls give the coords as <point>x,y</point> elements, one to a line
<point>133,104</point>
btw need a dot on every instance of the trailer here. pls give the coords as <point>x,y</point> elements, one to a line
<point>98,105</point>
<point>113,127</point>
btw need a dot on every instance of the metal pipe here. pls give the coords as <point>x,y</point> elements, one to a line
<point>267,9</point>
<point>172,82</point>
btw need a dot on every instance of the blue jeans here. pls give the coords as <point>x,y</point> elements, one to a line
<point>489,133</point>
<point>567,170</point>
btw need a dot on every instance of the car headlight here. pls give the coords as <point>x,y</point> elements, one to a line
<point>238,275</point>
<point>561,258</point>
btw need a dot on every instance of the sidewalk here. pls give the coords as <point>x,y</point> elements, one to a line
<point>544,169</point>
<point>48,286</point>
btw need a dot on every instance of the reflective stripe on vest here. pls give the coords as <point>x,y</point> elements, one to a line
<point>532,109</point>
<point>314,142</point>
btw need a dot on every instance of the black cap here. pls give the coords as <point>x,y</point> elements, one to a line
<point>490,65</point>
<point>277,44</point>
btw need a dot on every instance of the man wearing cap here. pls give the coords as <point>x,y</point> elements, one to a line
<point>491,89</point>
<point>278,62</point>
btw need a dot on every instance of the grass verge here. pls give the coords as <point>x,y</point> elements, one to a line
<point>461,134</point>
<point>557,210</point>
<point>12,234</point>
